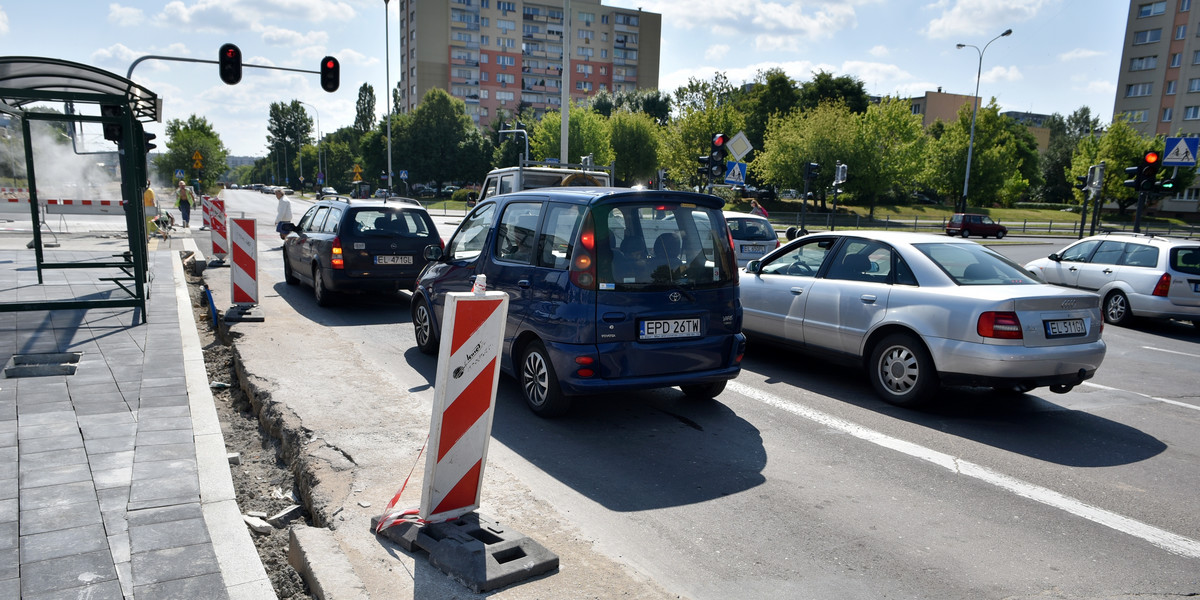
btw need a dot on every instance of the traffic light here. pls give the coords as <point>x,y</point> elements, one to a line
<point>1134,175</point>
<point>147,138</point>
<point>1083,182</point>
<point>112,131</point>
<point>330,74</point>
<point>230,64</point>
<point>716,155</point>
<point>1166,186</point>
<point>1148,175</point>
<point>812,170</point>
<point>703,170</point>
<point>841,174</point>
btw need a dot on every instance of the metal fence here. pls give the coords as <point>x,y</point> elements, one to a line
<point>822,221</point>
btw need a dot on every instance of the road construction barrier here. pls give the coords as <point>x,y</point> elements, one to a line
<point>205,210</point>
<point>16,200</point>
<point>217,231</point>
<point>464,402</point>
<point>244,268</point>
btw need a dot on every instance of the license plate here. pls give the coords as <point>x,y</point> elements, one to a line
<point>1065,328</point>
<point>391,259</point>
<point>758,249</point>
<point>660,329</point>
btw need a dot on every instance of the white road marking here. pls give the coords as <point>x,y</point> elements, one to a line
<point>1147,396</point>
<point>1173,543</point>
<point>1189,354</point>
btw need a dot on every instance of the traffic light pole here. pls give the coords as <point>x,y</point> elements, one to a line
<point>129,74</point>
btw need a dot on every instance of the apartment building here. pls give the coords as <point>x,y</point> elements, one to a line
<point>501,56</point>
<point>944,106</point>
<point>1158,87</point>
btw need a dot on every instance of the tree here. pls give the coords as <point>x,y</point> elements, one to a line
<point>823,135</point>
<point>1065,135</point>
<point>702,95</point>
<point>890,146</point>
<point>634,139</point>
<point>824,87</point>
<point>364,113</point>
<point>705,108</point>
<point>1121,146</point>
<point>773,93</point>
<point>184,139</point>
<point>996,156</point>
<point>288,129</point>
<point>445,132</point>
<point>588,135</point>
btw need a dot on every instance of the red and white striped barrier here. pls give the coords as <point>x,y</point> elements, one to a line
<point>244,271</point>
<point>464,402</point>
<point>206,210</point>
<point>17,200</point>
<point>220,242</point>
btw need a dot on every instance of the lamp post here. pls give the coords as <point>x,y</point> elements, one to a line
<point>320,150</point>
<point>971,141</point>
<point>387,90</point>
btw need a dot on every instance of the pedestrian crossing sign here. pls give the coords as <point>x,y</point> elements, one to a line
<point>735,173</point>
<point>1181,152</point>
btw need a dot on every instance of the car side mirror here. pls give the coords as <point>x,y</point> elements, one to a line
<point>433,253</point>
<point>1056,257</point>
<point>288,227</point>
<point>752,266</point>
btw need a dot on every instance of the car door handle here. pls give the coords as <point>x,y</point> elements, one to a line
<point>1107,271</point>
<point>867,298</point>
<point>614,317</point>
<point>523,283</point>
<point>797,290</point>
<point>1073,269</point>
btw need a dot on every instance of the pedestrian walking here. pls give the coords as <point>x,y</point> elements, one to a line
<point>283,212</point>
<point>185,199</point>
<point>757,209</point>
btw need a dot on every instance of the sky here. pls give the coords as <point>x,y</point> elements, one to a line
<point>1062,54</point>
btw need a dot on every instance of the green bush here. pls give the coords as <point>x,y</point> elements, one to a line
<point>461,195</point>
<point>1045,206</point>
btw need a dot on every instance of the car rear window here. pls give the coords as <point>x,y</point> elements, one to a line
<point>751,229</point>
<point>651,246</point>
<point>972,264</point>
<point>390,222</point>
<point>1186,260</point>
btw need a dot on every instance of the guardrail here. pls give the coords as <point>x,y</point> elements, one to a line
<point>1065,227</point>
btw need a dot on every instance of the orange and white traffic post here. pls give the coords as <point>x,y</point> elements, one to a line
<point>217,231</point>
<point>243,273</point>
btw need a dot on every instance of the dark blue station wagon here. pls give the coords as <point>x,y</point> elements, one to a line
<point>610,289</point>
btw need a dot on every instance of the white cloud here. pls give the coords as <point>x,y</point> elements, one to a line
<point>969,18</point>
<point>776,43</point>
<point>277,36</point>
<point>995,74</point>
<point>125,16</point>
<point>1101,86</point>
<point>821,23</point>
<point>716,52</point>
<point>116,52</point>
<point>1079,53</point>
<point>878,51</point>
<point>3,21</point>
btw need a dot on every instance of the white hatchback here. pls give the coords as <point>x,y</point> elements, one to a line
<point>753,236</point>
<point>1136,275</point>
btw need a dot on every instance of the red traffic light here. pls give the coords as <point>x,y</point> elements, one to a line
<point>330,74</point>
<point>1150,158</point>
<point>230,64</point>
<point>720,139</point>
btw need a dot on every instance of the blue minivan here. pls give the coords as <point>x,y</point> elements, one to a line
<point>610,289</point>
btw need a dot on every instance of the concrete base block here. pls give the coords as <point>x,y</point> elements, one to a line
<point>315,554</point>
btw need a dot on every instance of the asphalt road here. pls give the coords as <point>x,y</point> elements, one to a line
<point>797,482</point>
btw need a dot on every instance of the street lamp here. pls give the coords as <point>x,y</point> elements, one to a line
<point>387,90</point>
<point>320,150</point>
<point>971,142</point>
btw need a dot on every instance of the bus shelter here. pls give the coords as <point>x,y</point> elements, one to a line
<point>89,95</point>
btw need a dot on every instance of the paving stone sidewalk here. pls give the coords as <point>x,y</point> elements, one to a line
<point>102,494</point>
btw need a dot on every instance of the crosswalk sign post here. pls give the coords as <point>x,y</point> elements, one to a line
<point>1180,152</point>
<point>735,173</point>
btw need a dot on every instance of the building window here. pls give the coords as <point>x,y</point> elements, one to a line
<point>587,18</point>
<point>1176,60</point>
<point>1191,113</point>
<point>506,78</point>
<point>1166,114</point>
<point>1138,89</point>
<point>1134,116</point>
<point>1181,32</point>
<point>1194,85</point>
<point>484,40</point>
<point>604,53</point>
<point>586,34</point>
<point>1170,88</point>
<point>506,7</point>
<point>1148,36</point>
<point>585,86</point>
<point>1151,9</point>
<point>506,61</point>
<point>585,52</point>
<point>632,20</point>
<point>504,96</point>
<point>1144,63</point>
<point>604,19</point>
<point>506,25</point>
<point>1185,5</point>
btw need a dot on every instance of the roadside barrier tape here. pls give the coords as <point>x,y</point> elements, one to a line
<point>389,518</point>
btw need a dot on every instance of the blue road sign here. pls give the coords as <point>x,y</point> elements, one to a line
<point>178,173</point>
<point>1180,152</point>
<point>735,173</point>
<point>404,174</point>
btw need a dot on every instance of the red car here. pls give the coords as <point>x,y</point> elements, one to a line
<point>967,225</point>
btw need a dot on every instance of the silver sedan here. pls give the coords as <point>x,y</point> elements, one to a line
<point>919,311</point>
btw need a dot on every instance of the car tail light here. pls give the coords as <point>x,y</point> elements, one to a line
<point>1163,287</point>
<point>585,363</point>
<point>335,254</point>
<point>1000,325</point>
<point>583,259</point>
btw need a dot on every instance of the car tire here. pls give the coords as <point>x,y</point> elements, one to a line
<point>703,391</point>
<point>422,320</point>
<point>902,371</point>
<point>539,383</point>
<point>1000,235</point>
<point>965,233</point>
<point>320,292</point>
<point>1116,309</point>
<point>288,276</point>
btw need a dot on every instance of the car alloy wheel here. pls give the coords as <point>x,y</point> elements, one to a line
<point>966,233</point>
<point>1116,308</point>
<point>902,371</point>
<point>422,320</point>
<point>539,383</point>
<point>1000,234</point>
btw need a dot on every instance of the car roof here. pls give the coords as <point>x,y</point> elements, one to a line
<point>1144,238</point>
<point>733,214</point>
<point>590,194</point>
<point>894,237</point>
<point>392,201</point>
